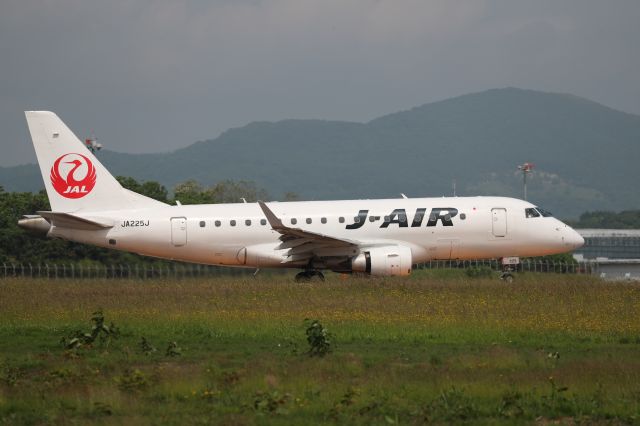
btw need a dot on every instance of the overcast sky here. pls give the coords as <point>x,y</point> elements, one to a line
<point>151,76</point>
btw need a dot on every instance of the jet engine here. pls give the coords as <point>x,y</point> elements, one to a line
<point>380,261</point>
<point>34,224</point>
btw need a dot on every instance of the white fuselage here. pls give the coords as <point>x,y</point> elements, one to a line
<point>240,235</point>
<point>376,237</point>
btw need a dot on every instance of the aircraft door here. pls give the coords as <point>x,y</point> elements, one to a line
<point>178,231</point>
<point>499,222</point>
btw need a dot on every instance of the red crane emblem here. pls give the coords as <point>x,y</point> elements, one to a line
<point>66,179</point>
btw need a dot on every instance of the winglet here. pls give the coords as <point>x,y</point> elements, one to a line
<point>271,217</point>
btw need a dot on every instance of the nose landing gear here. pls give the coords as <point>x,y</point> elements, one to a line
<point>507,276</point>
<point>508,267</point>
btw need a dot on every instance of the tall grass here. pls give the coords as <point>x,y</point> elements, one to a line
<point>537,303</point>
<point>429,348</point>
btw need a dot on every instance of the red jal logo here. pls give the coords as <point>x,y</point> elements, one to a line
<point>73,175</point>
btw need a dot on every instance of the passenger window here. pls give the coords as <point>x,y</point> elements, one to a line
<point>531,212</point>
<point>232,222</point>
<point>202,224</point>
<point>247,222</point>
<point>309,221</point>
<point>218,223</point>
<point>341,219</point>
<point>323,220</point>
<point>463,216</point>
<point>372,218</point>
<point>356,219</point>
<point>294,220</point>
<point>263,221</point>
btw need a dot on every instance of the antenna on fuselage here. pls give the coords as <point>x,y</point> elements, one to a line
<point>403,196</point>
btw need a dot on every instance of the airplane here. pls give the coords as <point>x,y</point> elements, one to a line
<point>384,237</point>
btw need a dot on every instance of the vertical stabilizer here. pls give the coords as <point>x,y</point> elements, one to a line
<point>73,177</point>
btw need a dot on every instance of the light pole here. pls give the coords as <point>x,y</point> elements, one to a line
<point>525,168</point>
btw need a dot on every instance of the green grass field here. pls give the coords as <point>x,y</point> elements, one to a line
<point>437,347</point>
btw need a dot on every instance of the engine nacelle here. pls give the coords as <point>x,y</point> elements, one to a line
<point>381,261</point>
<point>35,224</point>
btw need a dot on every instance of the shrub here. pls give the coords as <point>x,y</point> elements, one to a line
<point>173,350</point>
<point>146,347</point>
<point>318,337</point>
<point>99,331</point>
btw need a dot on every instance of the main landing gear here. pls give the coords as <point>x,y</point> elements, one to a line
<point>308,276</point>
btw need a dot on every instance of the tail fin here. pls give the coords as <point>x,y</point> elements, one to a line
<point>73,177</point>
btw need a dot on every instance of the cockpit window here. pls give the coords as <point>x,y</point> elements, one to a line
<point>531,212</point>
<point>543,212</point>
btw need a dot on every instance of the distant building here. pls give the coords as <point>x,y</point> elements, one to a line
<point>615,252</point>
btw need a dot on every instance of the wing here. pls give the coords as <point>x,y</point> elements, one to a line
<point>304,245</point>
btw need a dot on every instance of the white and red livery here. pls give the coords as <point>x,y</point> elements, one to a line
<point>377,237</point>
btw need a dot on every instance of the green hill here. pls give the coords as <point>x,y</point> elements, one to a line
<point>585,154</point>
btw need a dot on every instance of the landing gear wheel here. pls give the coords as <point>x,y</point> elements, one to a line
<point>507,277</point>
<point>302,277</point>
<point>307,276</point>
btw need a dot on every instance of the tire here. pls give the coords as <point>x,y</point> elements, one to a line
<point>507,277</point>
<point>302,277</point>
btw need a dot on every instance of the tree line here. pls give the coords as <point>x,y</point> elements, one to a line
<point>20,246</point>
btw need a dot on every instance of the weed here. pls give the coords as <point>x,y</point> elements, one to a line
<point>318,337</point>
<point>132,380</point>
<point>173,350</point>
<point>347,400</point>
<point>556,403</point>
<point>511,405</point>
<point>103,333</point>
<point>271,402</point>
<point>9,375</point>
<point>61,376</point>
<point>146,347</point>
<point>452,405</point>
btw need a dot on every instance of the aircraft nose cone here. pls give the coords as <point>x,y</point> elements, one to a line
<point>574,239</point>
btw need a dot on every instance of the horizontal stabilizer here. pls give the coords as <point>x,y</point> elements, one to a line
<point>68,220</point>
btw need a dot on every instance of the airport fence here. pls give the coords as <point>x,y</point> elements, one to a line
<point>181,270</point>
<point>118,271</point>
<point>525,265</point>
